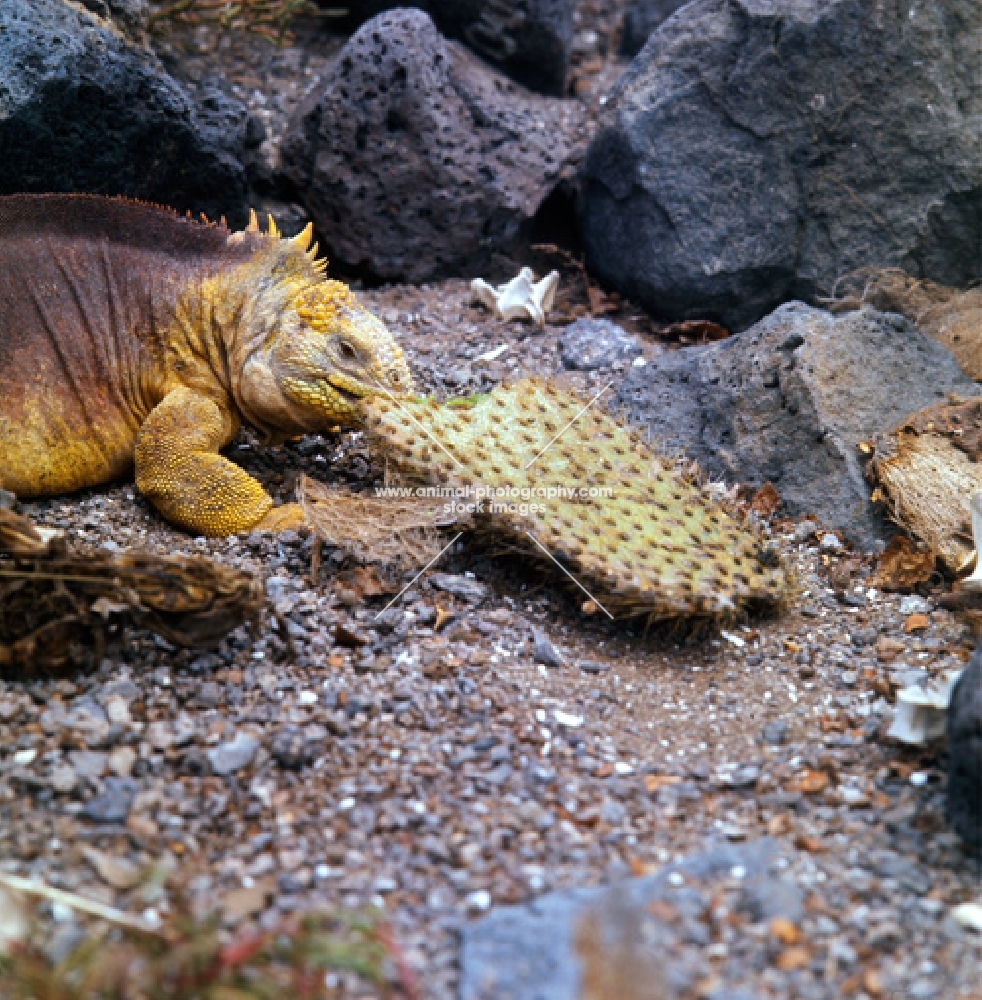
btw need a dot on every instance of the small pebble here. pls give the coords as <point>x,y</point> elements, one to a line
<point>969,915</point>
<point>227,758</point>
<point>63,779</point>
<point>478,902</point>
<point>593,666</point>
<point>568,720</point>
<point>775,733</point>
<point>460,586</point>
<point>913,604</point>
<point>114,804</point>
<point>543,651</point>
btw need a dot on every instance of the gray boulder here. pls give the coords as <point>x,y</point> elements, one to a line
<point>418,162</point>
<point>788,402</point>
<point>758,150</point>
<point>83,109</point>
<point>617,938</point>
<point>528,40</point>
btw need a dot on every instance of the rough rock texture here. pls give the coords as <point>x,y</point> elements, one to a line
<point>950,316</point>
<point>591,344</point>
<point>965,754</point>
<point>82,109</point>
<point>789,400</point>
<point>641,19</point>
<point>416,161</point>
<point>637,940</point>
<point>528,40</point>
<point>759,150</point>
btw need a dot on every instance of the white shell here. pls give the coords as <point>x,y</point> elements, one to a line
<point>521,298</point>
<point>921,709</point>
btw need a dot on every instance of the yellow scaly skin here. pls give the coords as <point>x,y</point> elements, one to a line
<point>267,342</point>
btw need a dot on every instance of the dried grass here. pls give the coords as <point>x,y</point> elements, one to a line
<point>270,18</point>
<point>396,533</point>
<point>56,607</point>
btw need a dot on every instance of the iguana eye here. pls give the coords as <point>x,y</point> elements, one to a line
<point>347,352</point>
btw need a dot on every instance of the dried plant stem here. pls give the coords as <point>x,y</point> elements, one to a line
<point>80,903</point>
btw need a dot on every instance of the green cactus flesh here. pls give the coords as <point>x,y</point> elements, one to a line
<point>645,539</point>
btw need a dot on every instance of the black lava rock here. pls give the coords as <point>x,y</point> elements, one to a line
<point>788,400</point>
<point>416,161</point>
<point>528,40</point>
<point>84,109</point>
<point>746,158</point>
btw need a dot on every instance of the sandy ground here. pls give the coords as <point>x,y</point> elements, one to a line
<point>441,770</point>
<point>441,781</point>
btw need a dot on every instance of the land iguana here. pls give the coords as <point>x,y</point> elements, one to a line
<point>131,336</point>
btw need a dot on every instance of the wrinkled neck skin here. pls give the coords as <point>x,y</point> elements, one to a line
<point>221,340</point>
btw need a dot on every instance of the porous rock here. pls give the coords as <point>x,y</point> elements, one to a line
<point>965,754</point>
<point>758,150</point>
<point>84,109</point>
<point>418,162</point>
<point>528,40</point>
<point>591,344</point>
<point>788,402</point>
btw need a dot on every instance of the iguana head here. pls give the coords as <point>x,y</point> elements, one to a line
<point>313,353</point>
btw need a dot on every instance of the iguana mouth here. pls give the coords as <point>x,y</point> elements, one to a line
<point>348,388</point>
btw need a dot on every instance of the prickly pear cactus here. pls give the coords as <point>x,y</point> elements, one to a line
<point>572,483</point>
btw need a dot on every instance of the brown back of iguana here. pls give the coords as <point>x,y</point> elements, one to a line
<point>87,290</point>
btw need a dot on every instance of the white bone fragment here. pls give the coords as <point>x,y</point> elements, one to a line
<point>567,719</point>
<point>492,355</point>
<point>521,298</point>
<point>921,710</point>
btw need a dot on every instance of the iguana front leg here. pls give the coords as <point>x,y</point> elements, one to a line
<point>179,470</point>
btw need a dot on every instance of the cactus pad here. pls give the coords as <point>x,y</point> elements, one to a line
<point>638,534</point>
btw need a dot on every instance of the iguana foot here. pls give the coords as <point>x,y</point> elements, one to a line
<point>286,518</point>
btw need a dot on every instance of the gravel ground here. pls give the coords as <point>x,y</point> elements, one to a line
<point>428,761</point>
<point>425,761</point>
